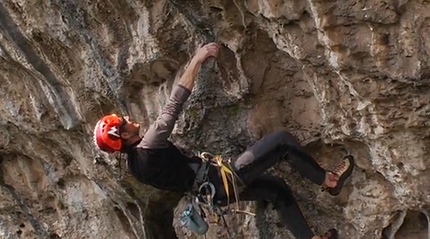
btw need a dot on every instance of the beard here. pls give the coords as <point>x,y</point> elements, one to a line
<point>136,131</point>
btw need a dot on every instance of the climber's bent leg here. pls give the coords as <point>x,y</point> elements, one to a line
<point>275,190</point>
<point>266,152</point>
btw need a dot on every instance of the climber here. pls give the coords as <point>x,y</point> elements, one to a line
<point>156,161</point>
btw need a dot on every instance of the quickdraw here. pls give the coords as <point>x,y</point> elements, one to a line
<point>228,176</point>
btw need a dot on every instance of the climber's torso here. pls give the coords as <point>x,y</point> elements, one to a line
<point>158,162</point>
<point>165,168</point>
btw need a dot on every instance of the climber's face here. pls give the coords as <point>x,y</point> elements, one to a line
<point>129,129</point>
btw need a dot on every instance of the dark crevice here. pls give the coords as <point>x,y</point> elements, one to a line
<point>134,210</point>
<point>407,224</point>
<point>54,236</point>
<point>415,223</point>
<point>158,216</point>
<point>61,183</point>
<point>216,9</point>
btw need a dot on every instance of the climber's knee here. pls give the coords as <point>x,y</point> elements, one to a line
<point>284,138</point>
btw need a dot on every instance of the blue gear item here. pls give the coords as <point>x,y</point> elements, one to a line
<point>192,220</point>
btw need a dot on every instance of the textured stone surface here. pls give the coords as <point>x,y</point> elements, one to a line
<point>340,75</point>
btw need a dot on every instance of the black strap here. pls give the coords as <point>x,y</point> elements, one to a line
<point>201,175</point>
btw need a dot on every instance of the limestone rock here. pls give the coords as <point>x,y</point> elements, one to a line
<point>342,76</point>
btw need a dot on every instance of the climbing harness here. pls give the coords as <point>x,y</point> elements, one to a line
<point>204,195</point>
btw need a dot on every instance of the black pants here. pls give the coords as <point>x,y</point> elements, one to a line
<point>264,154</point>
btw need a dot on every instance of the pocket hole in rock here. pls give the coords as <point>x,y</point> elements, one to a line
<point>414,225</point>
<point>134,210</point>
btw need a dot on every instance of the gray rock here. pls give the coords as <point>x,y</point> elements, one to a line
<point>341,76</point>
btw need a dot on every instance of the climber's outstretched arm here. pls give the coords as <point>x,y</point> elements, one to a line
<point>202,53</point>
<point>160,130</point>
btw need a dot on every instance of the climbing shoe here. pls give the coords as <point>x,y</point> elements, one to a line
<point>341,173</point>
<point>330,234</point>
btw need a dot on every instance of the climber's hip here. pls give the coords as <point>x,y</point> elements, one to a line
<point>217,179</point>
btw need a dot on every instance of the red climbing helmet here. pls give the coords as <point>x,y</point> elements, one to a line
<point>106,133</point>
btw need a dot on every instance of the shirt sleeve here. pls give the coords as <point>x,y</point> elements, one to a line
<point>160,130</point>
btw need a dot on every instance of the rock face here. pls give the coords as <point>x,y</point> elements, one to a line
<point>340,75</point>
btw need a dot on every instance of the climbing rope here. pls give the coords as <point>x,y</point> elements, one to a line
<point>227,174</point>
<point>229,177</point>
<point>203,194</point>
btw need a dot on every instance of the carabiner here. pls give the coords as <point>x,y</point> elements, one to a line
<point>212,192</point>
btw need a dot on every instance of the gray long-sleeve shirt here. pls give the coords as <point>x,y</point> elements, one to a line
<point>159,131</point>
<point>158,162</point>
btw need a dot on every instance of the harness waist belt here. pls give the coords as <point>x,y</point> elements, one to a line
<point>201,175</point>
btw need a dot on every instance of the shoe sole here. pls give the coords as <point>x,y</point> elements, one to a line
<point>336,190</point>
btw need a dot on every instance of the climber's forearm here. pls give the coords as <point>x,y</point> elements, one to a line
<point>189,77</point>
<point>159,131</point>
